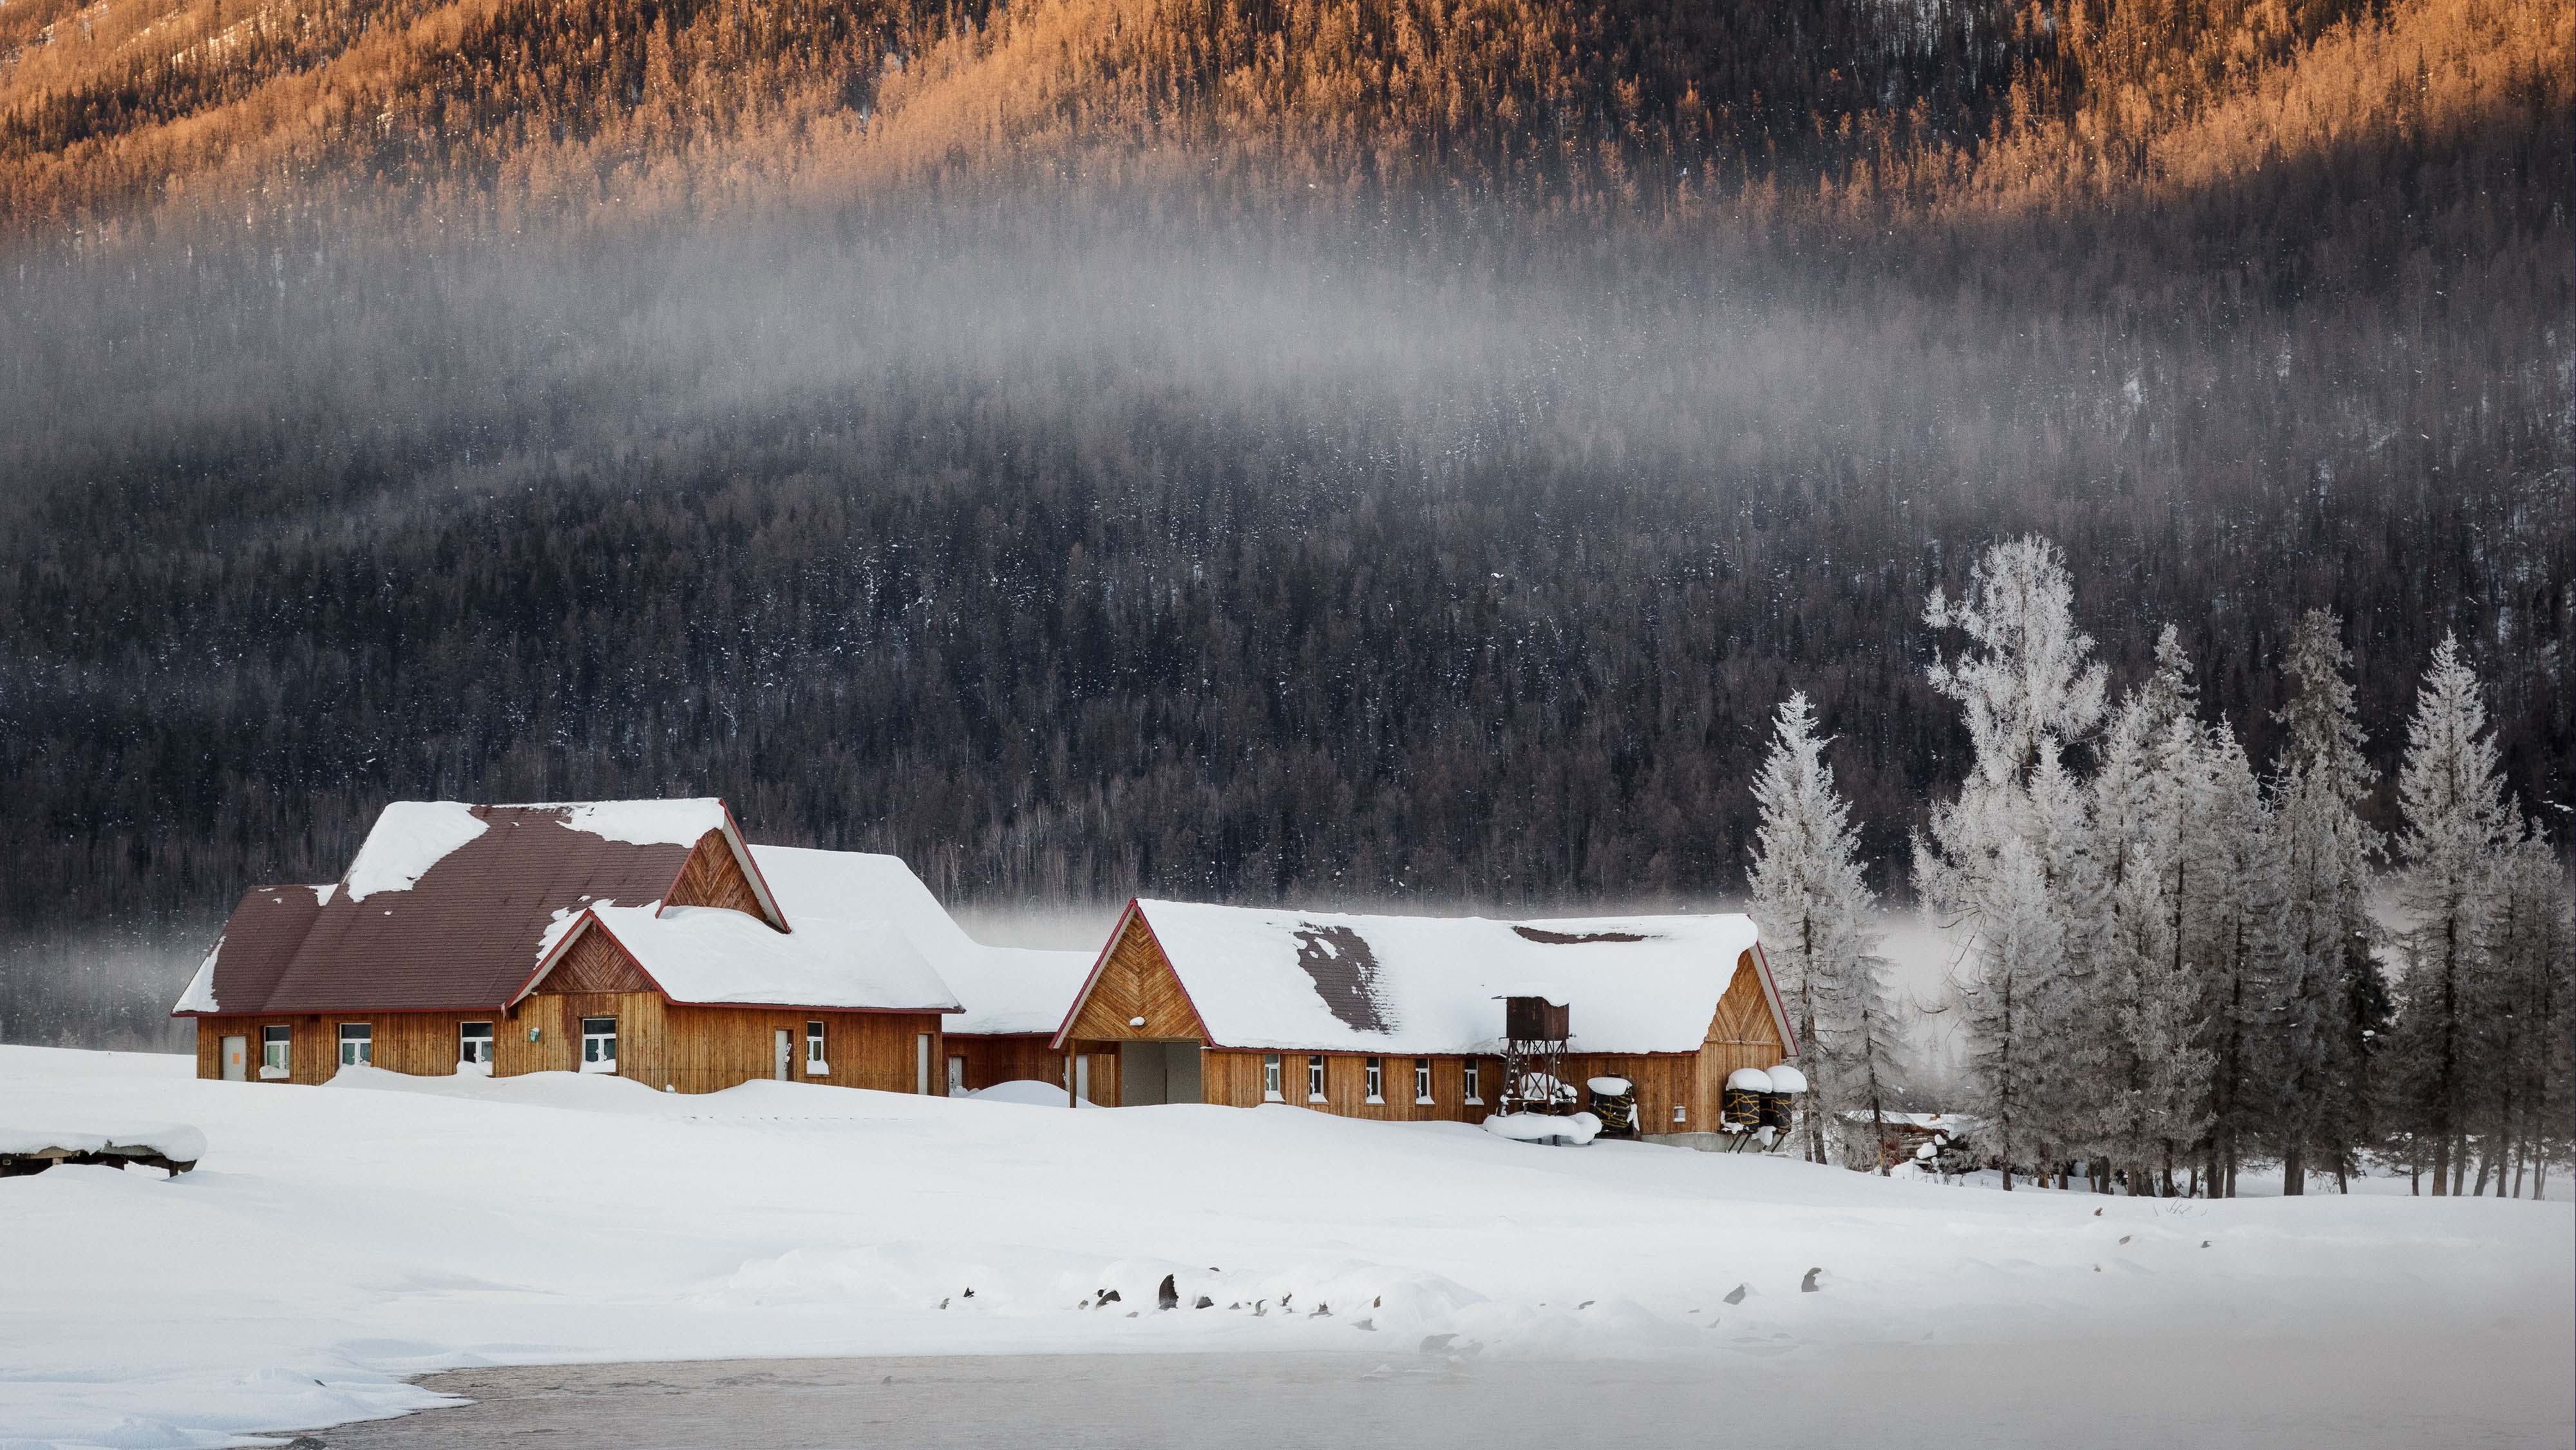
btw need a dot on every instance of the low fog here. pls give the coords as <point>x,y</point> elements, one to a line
<point>1071,552</point>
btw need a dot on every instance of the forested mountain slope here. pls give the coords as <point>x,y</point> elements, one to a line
<point>1327,450</point>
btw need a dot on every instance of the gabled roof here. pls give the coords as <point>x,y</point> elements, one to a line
<point>711,956</point>
<point>1262,977</point>
<point>1002,989</point>
<point>448,906</point>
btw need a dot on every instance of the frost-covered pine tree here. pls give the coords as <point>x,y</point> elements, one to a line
<point>2007,1016</point>
<point>2236,956</point>
<point>2027,687</point>
<point>2333,998</point>
<point>2456,823</point>
<point>1813,907</point>
<point>2133,1013</point>
<point>2525,1106</point>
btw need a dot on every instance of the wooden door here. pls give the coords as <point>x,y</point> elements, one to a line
<point>236,1059</point>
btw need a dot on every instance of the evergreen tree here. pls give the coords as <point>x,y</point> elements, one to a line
<point>2456,823</point>
<point>2237,958</point>
<point>2006,1016</point>
<point>1813,907</point>
<point>2333,1000</point>
<point>2524,1111</point>
<point>2027,689</point>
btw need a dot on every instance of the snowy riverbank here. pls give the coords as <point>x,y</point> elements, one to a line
<point>338,1239</point>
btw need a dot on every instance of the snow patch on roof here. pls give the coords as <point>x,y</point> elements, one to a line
<point>647,823</point>
<point>408,839</point>
<point>563,921</point>
<point>200,996</point>
<point>1264,978</point>
<point>710,954</point>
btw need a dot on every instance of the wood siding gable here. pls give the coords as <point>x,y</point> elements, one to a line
<point>1744,1012</point>
<point>714,876</point>
<point>1134,980</point>
<point>594,962</point>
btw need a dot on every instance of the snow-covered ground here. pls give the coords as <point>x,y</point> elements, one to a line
<point>337,1239</point>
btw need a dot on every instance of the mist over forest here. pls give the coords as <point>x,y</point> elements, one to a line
<point>1074,535</point>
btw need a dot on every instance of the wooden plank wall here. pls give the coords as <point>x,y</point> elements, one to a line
<point>1664,1081</point>
<point>1233,1079</point>
<point>690,1049</point>
<point>999,1059</point>
<point>421,1043</point>
<point>1741,1034</point>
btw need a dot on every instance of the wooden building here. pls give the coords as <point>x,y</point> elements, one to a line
<point>1011,999</point>
<point>639,938</point>
<point>1399,1017</point>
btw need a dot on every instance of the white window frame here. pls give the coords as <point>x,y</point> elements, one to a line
<point>1315,1078</point>
<point>1681,1114</point>
<point>1270,1079</point>
<point>590,1063</point>
<point>1375,1079</point>
<point>817,1062</point>
<point>358,1050</point>
<point>1475,1074</point>
<point>280,1064</point>
<point>1421,1080</point>
<point>465,1057</point>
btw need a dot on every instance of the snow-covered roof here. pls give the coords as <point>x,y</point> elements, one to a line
<point>200,996</point>
<point>1001,989</point>
<point>711,955</point>
<point>446,906</point>
<point>1262,977</point>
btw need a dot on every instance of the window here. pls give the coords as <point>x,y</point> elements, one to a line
<point>1473,1077</point>
<point>599,1044</point>
<point>1270,1078</point>
<point>1377,1079</point>
<point>921,1063</point>
<point>357,1044</point>
<point>1314,1079</point>
<point>816,1064</point>
<point>1680,1114</point>
<point>1422,1079</point>
<point>274,1043</point>
<point>474,1044</point>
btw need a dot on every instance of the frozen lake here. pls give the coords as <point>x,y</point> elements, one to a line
<point>2508,1387</point>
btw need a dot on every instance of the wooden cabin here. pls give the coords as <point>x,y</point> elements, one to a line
<point>1402,1018</point>
<point>1012,998</point>
<point>634,938</point>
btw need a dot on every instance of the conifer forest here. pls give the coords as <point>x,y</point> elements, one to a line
<point>2095,473</point>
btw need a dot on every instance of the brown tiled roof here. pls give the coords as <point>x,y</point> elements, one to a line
<point>465,936</point>
<point>259,942</point>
